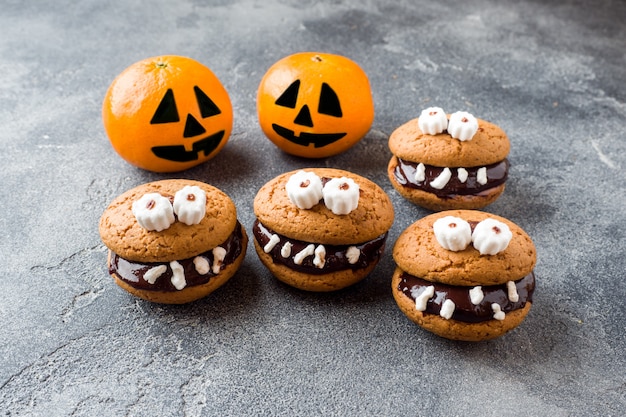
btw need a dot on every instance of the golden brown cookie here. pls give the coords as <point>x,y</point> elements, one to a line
<point>464,274</point>
<point>332,241</point>
<point>172,241</point>
<point>440,172</point>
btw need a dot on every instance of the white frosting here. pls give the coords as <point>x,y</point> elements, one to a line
<point>462,126</point>
<point>320,257</point>
<point>442,179</point>
<point>153,212</point>
<point>219,253</point>
<point>512,291</point>
<point>498,314</point>
<point>202,265</point>
<point>422,299</point>
<point>447,309</point>
<point>461,174</point>
<point>274,239</point>
<point>491,236</point>
<point>304,189</point>
<point>152,274</point>
<point>285,251</point>
<point>300,256</point>
<point>178,275</point>
<point>353,253</point>
<point>433,120</point>
<point>452,233</point>
<point>190,204</point>
<point>420,172</point>
<point>341,195</point>
<point>476,295</point>
<point>481,176</point>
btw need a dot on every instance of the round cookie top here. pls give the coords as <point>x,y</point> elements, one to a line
<point>418,252</point>
<point>121,232</point>
<point>372,217</point>
<point>488,146</point>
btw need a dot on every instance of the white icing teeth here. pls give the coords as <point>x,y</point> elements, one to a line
<point>462,126</point>
<point>512,291</point>
<point>271,244</point>
<point>476,295</point>
<point>201,264</point>
<point>498,314</point>
<point>420,172</point>
<point>219,254</point>
<point>153,212</point>
<point>353,254</point>
<point>285,251</point>
<point>447,309</point>
<point>178,275</point>
<point>304,189</point>
<point>442,179</point>
<point>320,257</point>
<point>341,195</point>
<point>462,174</point>
<point>491,237</point>
<point>433,120</point>
<point>481,176</point>
<point>300,256</point>
<point>421,300</point>
<point>452,233</point>
<point>154,273</point>
<point>190,204</point>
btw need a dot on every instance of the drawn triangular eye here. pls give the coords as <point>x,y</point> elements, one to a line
<point>289,97</point>
<point>207,107</point>
<point>166,112</point>
<point>329,102</point>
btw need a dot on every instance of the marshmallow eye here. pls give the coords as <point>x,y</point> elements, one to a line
<point>304,189</point>
<point>341,195</point>
<point>190,205</point>
<point>462,126</point>
<point>433,121</point>
<point>452,233</point>
<point>153,212</point>
<point>491,236</point>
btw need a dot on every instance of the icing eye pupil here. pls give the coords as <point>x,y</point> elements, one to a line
<point>496,229</point>
<point>464,120</point>
<point>305,184</point>
<point>452,225</point>
<point>191,197</point>
<point>150,204</point>
<point>432,113</point>
<point>344,186</point>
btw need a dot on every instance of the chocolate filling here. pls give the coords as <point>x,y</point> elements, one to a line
<point>133,273</point>
<point>496,175</point>
<point>465,310</point>
<point>335,258</point>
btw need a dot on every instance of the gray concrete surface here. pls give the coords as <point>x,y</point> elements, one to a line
<point>73,343</point>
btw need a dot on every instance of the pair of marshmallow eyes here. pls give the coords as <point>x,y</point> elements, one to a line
<point>305,190</point>
<point>489,237</point>
<point>155,212</point>
<point>462,125</point>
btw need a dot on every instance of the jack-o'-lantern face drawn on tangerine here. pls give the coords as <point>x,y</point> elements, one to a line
<point>315,105</point>
<point>167,114</point>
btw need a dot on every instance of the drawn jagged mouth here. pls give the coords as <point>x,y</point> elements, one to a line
<point>318,140</point>
<point>178,153</point>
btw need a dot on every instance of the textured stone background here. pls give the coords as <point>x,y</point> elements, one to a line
<point>72,343</point>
